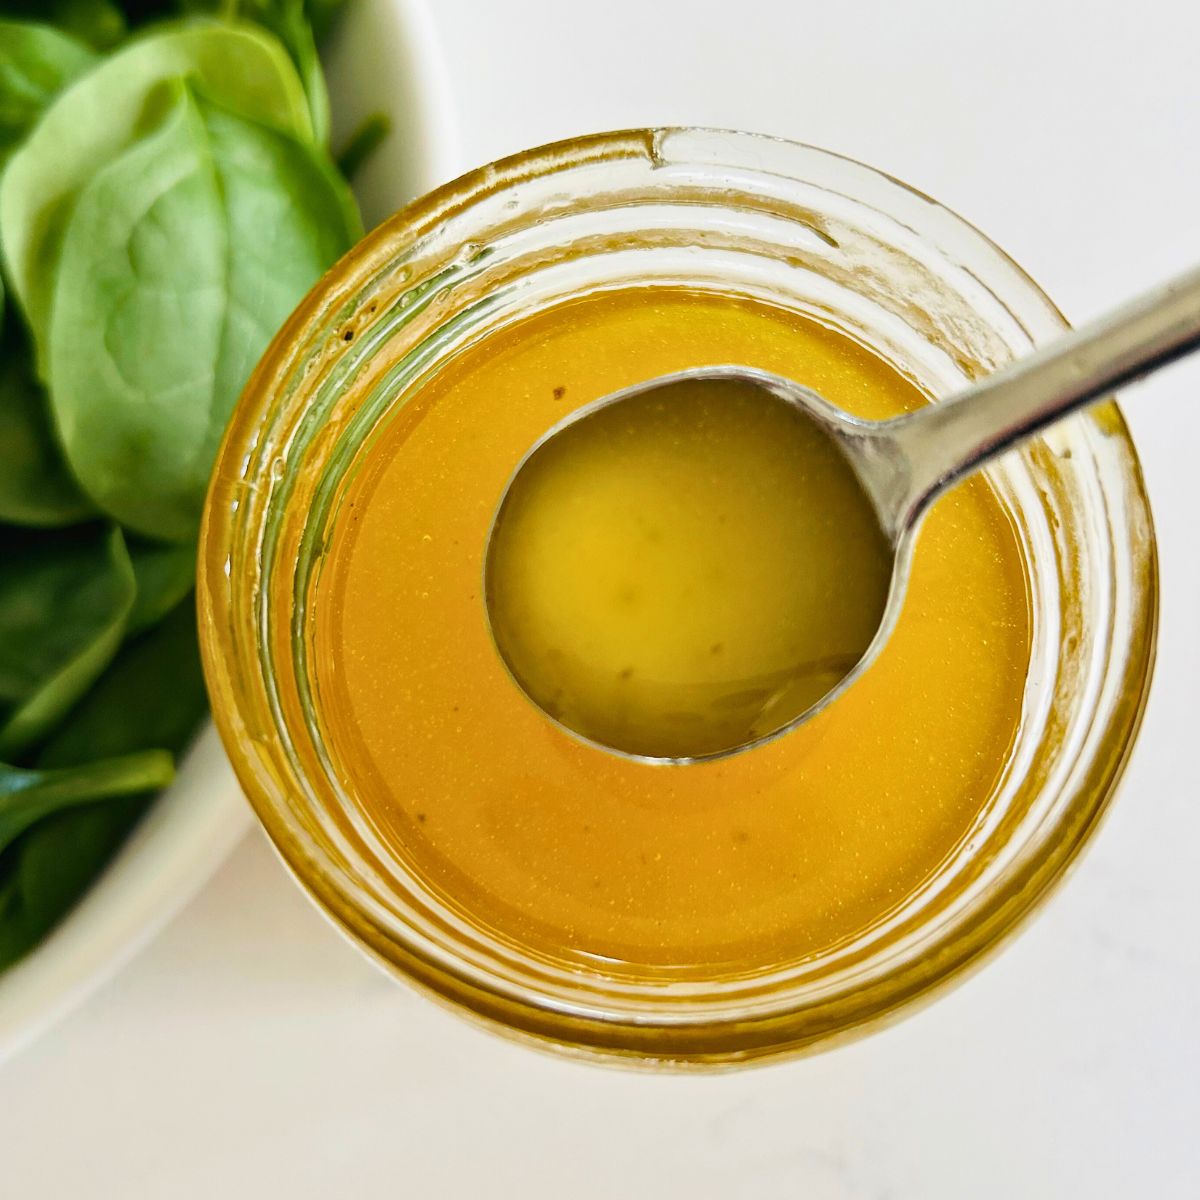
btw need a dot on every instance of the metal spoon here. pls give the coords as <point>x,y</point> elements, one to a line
<point>903,465</point>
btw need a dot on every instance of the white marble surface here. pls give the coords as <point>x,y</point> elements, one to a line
<point>250,1053</point>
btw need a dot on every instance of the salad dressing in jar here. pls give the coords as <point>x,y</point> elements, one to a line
<point>700,914</point>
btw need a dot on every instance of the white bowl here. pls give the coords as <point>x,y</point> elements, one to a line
<point>385,56</point>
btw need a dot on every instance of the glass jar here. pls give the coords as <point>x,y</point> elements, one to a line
<point>727,212</point>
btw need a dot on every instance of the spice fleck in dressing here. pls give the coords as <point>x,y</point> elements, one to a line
<point>579,853</point>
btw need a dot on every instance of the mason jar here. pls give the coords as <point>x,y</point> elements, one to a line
<point>748,217</point>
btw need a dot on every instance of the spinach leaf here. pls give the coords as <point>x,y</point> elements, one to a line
<point>54,864</point>
<point>165,573</point>
<point>35,486</point>
<point>36,61</point>
<point>63,605</point>
<point>8,892</point>
<point>139,11</point>
<point>322,14</point>
<point>180,261</point>
<point>363,142</point>
<point>29,796</point>
<point>112,108</point>
<point>152,695</point>
<point>99,23</point>
<point>288,21</point>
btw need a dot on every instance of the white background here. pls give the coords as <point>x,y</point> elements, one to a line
<point>250,1053</point>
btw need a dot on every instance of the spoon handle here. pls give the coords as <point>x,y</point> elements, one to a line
<point>945,442</point>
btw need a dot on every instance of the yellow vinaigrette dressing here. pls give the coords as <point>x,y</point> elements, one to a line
<point>686,570</point>
<point>576,852</point>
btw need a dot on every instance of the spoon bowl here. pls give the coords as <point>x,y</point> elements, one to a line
<point>673,698</point>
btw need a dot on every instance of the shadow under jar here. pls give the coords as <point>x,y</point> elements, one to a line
<point>752,221</point>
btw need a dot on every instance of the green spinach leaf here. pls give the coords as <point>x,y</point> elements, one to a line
<point>180,261</point>
<point>165,573</point>
<point>363,142</point>
<point>54,864</point>
<point>151,696</point>
<point>112,108</point>
<point>35,486</point>
<point>36,62</point>
<point>99,23</point>
<point>64,601</point>
<point>322,15</point>
<point>288,21</point>
<point>138,12</point>
<point>29,796</point>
